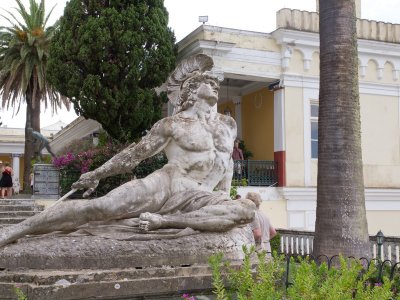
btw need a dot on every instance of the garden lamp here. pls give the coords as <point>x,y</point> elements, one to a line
<point>380,239</point>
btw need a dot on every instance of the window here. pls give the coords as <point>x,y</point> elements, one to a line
<point>314,107</point>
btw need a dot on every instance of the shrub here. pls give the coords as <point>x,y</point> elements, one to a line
<point>235,184</point>
<point>276,243</point>
<point>247,281</point>
<point>307,279</point>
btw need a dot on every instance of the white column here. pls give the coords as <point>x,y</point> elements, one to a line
<point>279,121</point>
<point>16,166</point>
<point>279,135</point>
<point>237,100</point>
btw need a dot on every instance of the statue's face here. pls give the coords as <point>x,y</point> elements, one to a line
<point>208,90</point>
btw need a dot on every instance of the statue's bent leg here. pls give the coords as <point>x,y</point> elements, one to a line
<point>128,200</point>
<point>214,218</point>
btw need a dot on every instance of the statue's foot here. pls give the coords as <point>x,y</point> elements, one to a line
<point>149,221</point>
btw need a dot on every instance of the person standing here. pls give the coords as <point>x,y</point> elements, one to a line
<point>237,156</point>
<point>237,153</point>
<point>261,226</point>
<point>1,171</point>
<point>6,181</point>
<point>32,181</point>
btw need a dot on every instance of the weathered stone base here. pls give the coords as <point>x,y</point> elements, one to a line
<point>88,267</point>
<point>149,283</point>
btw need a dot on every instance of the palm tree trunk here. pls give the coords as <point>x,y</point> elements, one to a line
<point>35,122</point>
<point>341,224</point>
<point>29,145</point>
<point>35,116</point>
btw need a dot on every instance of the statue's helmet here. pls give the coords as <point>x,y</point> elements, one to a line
<point>189,72</point>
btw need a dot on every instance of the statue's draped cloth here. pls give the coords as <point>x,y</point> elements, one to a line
<point>128,229</point>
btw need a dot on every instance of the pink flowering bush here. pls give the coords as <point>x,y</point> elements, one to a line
<point>79,159</point>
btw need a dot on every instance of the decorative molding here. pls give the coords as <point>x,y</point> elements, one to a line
<point>378,89</point>
<point>211,48</point>
<point>308,42</point>
<point>15,148</point>
<point>375,199</point>
<point>300,81</point>
<point>254,56</point>
<point>368,88</point>
<point>286,54</point>
<point>302,202</point>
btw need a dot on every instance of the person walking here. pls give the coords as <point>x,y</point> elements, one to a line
<point>261,226</point>
<point>6,183</point>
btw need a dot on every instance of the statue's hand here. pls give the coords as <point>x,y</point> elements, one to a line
<point>87,181</point>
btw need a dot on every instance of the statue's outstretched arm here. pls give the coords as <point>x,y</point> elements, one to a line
<point>123,162</point>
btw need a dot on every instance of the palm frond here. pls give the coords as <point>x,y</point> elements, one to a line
<point>24,48</point>
<point>24,14</point>
<point>48,16</point>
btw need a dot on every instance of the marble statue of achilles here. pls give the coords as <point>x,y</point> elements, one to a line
<point>190,193</point>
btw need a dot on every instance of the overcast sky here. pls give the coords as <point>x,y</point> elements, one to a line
<point>254,15</point>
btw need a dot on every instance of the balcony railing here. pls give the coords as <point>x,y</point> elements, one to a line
<point>302,242</point>
<point>256,172</point>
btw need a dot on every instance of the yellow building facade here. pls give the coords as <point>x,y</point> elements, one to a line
<point>271,89</point>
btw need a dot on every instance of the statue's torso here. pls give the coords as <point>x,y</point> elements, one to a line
<point>201,149</point>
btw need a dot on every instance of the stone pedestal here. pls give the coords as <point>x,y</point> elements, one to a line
<point>86,267</point>
<point>46,181</point>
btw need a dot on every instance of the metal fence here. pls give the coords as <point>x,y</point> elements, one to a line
<point>384,268</point>
<point>256,172</point>
<point>302,242</point>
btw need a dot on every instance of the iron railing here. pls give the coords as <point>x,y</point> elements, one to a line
<point>385,268</point>
<point>256,172</point>
<point>295,242</point>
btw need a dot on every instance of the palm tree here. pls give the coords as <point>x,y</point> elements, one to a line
<point>341,224</point>
<point>23,59</point>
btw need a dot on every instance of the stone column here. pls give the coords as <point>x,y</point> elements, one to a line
<point>237,100</point>
<point>279,135</point>
<point>16,166</point>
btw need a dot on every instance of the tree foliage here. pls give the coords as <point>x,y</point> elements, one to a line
<point>108,56</point>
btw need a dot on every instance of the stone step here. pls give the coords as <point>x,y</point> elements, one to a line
<point>9,221</point>
<point>17,202</point>
<point>17,214</point>
<point>149,283</point>
<point>10,207</point>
